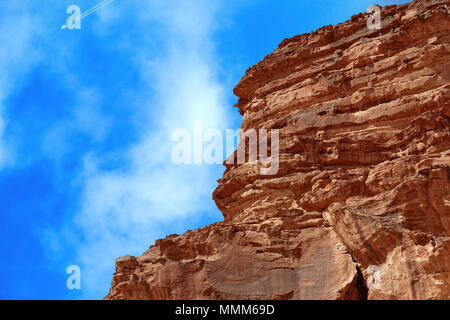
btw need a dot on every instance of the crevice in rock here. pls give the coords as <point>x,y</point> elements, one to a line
<point>360,281</point>
<point>361,285</point>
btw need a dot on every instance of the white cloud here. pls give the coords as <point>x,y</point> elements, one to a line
<point>123,210</point>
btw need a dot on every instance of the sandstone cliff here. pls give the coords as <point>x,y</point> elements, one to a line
<point>360,207</point>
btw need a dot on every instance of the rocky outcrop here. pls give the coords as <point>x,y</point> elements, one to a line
<point>360,206</point>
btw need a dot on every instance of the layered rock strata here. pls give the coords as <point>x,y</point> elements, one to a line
<point>360,206</point>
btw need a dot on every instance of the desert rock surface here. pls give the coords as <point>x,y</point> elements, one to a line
<point>360,206</point>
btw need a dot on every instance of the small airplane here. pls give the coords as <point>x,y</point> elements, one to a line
<point>90,11</point>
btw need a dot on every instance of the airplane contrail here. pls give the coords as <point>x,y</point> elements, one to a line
<point>91,10</point>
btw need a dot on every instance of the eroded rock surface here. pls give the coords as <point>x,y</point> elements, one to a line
<point>360,207</point>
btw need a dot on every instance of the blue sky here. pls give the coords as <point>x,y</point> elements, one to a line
<point>86,118</point>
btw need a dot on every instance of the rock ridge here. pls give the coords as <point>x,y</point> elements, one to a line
<point>360,206</point>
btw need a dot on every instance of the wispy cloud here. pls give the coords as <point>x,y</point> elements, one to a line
<point>85,119</point>
<point>122,210</point>
<point>17,55</point>
<point>133,194</point>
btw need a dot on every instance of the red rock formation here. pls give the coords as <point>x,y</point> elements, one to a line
<point>360,207</point>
